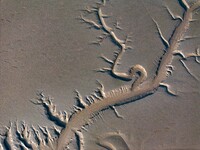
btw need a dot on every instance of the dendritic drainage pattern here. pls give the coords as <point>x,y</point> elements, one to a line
<point>20,135</point>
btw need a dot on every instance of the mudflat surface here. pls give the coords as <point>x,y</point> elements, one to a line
<point>44,46</point>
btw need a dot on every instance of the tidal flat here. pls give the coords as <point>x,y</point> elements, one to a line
<point>62,50</point>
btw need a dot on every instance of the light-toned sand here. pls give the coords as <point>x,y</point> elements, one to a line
<point>44,46</point>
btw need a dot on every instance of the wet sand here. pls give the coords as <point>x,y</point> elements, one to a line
<point>45,47</point>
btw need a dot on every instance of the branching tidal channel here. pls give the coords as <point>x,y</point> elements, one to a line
<point>23,136</point>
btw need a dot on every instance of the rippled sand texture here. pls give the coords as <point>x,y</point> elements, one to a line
<point>133,67</point>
